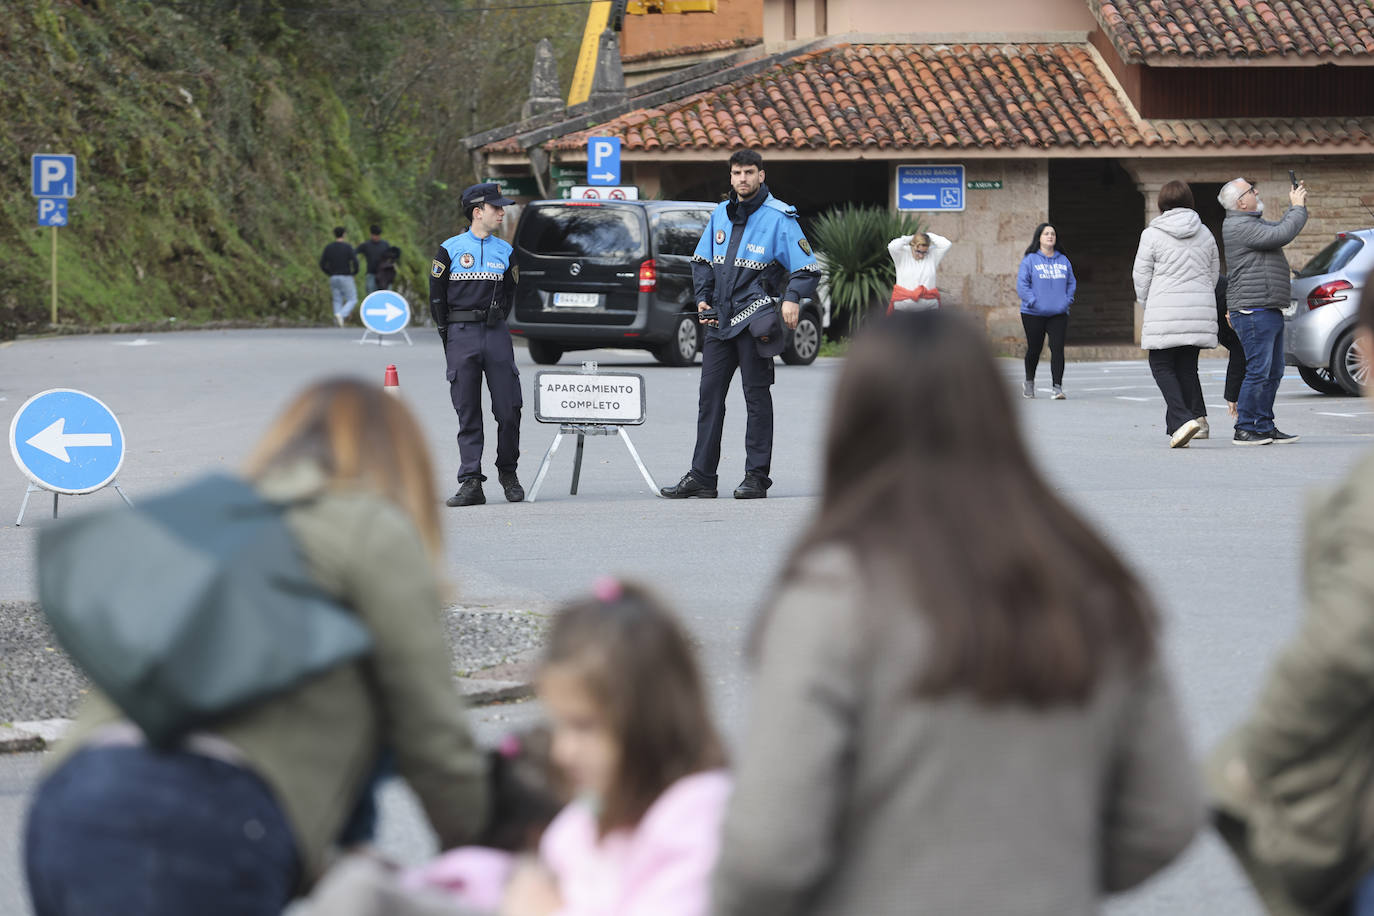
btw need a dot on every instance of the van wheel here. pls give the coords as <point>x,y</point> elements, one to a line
<point>1348,364</point>
<point>1320,380</point>
<point>681,349</point>
<point>804,343</point>
<point>544,352</point>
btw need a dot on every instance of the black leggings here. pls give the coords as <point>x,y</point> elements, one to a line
<point>1037,326</point>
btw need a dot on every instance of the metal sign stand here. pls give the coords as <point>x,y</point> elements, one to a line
<point>583,430</point>
<point>381,339</point>
<point>35,488</point>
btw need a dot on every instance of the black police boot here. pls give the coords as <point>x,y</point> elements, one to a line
<point>469,494</point>
<point>690,485</point>
<point>511,484</point>
<point>754,486</point>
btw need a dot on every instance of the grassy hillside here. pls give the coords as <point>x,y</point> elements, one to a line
<point>218,142</point>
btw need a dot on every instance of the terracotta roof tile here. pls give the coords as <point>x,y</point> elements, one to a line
<point>1166,31</point>
<point>913,97</point>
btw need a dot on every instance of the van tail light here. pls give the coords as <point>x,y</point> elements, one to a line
<point>648,276</point>
<point>1325,294</point>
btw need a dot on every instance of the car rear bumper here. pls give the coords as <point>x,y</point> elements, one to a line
<point>654,323</point>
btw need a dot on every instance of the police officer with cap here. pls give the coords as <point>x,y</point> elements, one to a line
<point>471,289</point>
<point>752,255</point>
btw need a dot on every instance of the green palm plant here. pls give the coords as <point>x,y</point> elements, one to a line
<point>851,242</point>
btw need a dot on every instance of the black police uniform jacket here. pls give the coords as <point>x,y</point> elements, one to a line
<point>470,273</point>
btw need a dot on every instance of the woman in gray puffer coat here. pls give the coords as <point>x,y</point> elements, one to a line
<point>1175,276</point>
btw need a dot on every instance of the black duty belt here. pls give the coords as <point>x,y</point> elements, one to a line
<point>467,315</point>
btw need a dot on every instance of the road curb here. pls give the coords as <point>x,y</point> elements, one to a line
<point>27,737</point>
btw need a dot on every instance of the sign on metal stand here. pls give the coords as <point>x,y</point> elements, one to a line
<point>385,313</point>
<point>54,181</point>
<point>66,441</point>
<point>589,403</point>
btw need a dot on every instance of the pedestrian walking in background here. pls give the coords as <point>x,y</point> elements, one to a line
<point>341,266</point>
<point>1046,284</point>
<point>751,257</point>
<point>633,735</point>
<point>1235,354</point>
<point>1257,292</point>
<point>242,813</point>
<point>916,257</point>
<point>959,704</point>
<point>471,288</point>
<point>1293,786</point>
<point>1175,275</point>
<point>372,251</point>
<point>386,267</point>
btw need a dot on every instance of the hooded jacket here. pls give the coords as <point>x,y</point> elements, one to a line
<point>1175,274</point>
<point>1046,285</point>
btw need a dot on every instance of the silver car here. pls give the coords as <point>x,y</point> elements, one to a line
<point>1320,338</point>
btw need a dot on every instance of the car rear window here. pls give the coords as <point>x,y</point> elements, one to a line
<point>582,231</point>
<point>1332,258</point>
<point>679,231</point>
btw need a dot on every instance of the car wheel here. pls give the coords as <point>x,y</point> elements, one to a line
<point>1349,367</point>
<point>681,349</point>
<point>544,352</point>
<point>804,343</point>
<point>1320,380</point>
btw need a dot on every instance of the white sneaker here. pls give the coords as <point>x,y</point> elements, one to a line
<point>1206,431</point>
<point>338,319</point>
<point>1184,434</point>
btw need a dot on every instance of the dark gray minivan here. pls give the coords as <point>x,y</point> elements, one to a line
<point>618,273</point>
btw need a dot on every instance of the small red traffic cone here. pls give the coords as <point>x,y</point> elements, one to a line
<point>391,384</point>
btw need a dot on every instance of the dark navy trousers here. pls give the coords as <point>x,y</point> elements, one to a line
<point>719,360</point>
<point>473,349</point>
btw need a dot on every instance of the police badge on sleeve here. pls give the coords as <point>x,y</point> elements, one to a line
<point>436,268</point>
<point>805,246</point>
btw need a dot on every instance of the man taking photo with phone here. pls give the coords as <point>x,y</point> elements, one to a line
<point>1257,292</point>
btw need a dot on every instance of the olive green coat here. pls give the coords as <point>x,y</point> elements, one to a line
<point>315,745</point>
<point>1303,823</point>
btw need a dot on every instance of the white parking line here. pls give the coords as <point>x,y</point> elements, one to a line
<point>1118,388</point>
<point>1124,397</point>
<point>1327,413</point>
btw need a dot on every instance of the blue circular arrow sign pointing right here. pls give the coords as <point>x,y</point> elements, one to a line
<point>67,441</point>
<point>385,312</point>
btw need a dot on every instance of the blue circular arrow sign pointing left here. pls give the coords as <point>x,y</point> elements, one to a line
<point>385,312</point>
<point>67,441</point>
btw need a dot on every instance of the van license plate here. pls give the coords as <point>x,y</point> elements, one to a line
<point>576,300</point>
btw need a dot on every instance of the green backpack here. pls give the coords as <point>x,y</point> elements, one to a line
<point>193,605</point>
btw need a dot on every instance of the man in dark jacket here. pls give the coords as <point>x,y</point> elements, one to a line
<point>373,250</point>
<point>1256,295</point>
<point>752,255</point>
<point>340,265</point>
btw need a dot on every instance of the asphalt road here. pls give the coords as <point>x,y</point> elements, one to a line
<point>1214,530</point>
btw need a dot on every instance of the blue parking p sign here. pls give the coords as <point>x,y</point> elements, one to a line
<point>603,160</point>
<point>930,187</point>
<point>54,175</point>
<point>52,211</point>
<point>67,441</point>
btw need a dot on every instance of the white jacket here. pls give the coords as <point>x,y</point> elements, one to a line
<point>1175,275</point>
<point>911,272</point>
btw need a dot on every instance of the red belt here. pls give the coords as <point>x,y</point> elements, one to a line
<point>901,292</point>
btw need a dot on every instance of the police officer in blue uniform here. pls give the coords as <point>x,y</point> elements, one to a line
<point>471,289</point>
<point>752,254</point>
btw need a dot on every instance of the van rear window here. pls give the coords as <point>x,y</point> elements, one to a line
<point>612,233</point>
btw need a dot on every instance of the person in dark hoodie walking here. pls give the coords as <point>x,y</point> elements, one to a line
<point>1046,284</point>
<point>1175,276</point>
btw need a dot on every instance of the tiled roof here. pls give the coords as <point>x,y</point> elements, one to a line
<point>1188,31</point>
<point>913,97</point>
<point>724,44</point>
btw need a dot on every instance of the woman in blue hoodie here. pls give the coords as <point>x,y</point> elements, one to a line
<point>1046,285</point>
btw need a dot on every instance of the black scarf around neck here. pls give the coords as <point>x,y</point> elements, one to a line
<point>739,211</point>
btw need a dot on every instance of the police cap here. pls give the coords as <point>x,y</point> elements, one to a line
<point>485,193</point>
